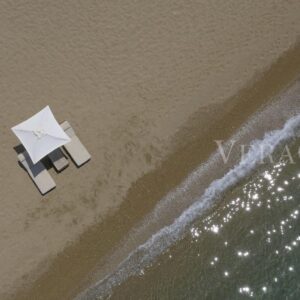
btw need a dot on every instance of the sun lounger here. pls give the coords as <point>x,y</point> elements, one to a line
<point>38,173</point>
<point>58,160</point>
<point>75,148</point>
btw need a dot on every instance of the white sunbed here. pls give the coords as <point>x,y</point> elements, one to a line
<point>58,160</point>
<point>38,173</point>
<point>75,148</point>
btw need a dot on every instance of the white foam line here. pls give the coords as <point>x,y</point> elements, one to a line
<point>164,238</point>
<point>288,99</point>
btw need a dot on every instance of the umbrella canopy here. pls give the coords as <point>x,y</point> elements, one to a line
<point>41,134</point>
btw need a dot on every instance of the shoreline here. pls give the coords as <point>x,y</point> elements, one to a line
<point>147,86</point>
<point>189,151</point>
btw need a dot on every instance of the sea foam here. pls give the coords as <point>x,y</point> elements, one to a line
<point>146,253</point>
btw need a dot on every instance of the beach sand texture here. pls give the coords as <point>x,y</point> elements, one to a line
<point>128,75</point>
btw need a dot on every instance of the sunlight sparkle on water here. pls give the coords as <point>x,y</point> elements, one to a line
<point>246,290</point>
<point>245,254</point>
<point>195,232</point>
<point>215,228</point>
<point>270,191</point>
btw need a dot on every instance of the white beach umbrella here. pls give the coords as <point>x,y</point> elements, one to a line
<point>41,134</point>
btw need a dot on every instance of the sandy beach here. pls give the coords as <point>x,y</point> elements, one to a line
<point>143,84</point>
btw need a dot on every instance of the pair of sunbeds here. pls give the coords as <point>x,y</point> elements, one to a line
<point>38,172</point>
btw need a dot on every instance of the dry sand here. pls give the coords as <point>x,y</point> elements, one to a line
<point>128,76</point>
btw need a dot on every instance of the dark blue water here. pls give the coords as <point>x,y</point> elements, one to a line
<point>245,246</point>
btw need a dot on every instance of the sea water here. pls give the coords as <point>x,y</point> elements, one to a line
<point>238,237</point>
<point>246,246</point>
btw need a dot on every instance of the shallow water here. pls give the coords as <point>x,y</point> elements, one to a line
<point>234,237</point>
<point>247,245</point>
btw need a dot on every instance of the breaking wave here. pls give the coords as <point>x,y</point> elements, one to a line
<point>146,253</point>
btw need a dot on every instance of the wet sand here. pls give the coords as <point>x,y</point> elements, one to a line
<point>144,85</point>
